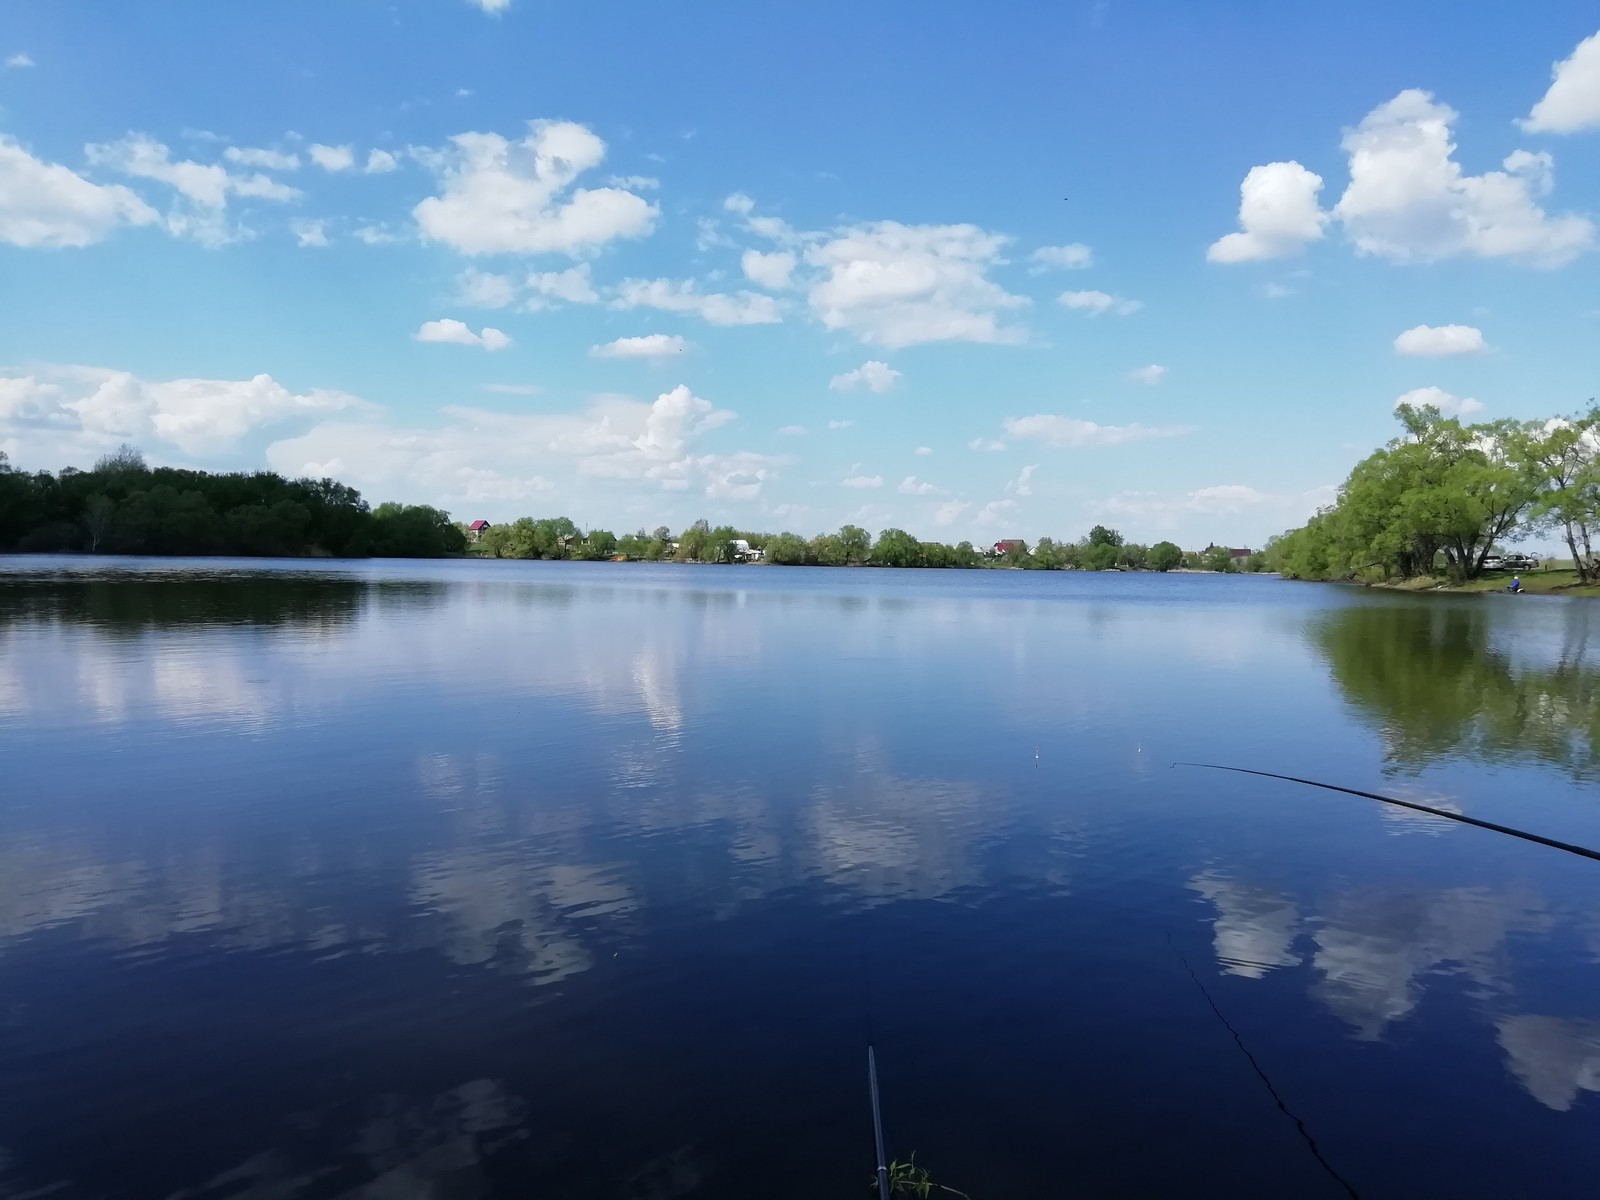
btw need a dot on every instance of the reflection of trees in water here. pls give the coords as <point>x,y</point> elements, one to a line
<point>127,603</point>
<point>1432,679</point>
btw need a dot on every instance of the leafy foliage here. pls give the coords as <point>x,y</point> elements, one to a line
<point>123,506</point>
<point>1441,496</point>
<point>908,1179</point>
<point>1165,555</point>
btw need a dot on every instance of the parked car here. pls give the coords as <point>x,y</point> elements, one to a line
<point>1519,562</point>
<point>1494,562</point>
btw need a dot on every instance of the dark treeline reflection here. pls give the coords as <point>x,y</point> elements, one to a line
<point>1436,684</point>
<point>132,603</point>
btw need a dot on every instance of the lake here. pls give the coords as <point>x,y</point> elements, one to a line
<point>474,879</point>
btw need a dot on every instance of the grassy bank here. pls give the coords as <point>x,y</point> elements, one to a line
<point>1558,581</point>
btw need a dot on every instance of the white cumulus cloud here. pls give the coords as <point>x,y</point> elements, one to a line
<point>309,233</point>
<point>1074,432</point>
<point>862,481</point>
<point>1073,256</point>
<point>572,285</point>
<point>478,456</point>
<point>792,431</point>
<point>986,445</point>
<point>1448,405</point>
<point>897,285</point>
<point>1440,341</point>
<point>84,410</point>
<point>836,424</point>
<point>773,271</point>
<point>18,60</point>
<point>650,345</point>
<point>1148,375</point>
<point>1278,214</point>
<point>1022,485</point>
<point>204,188</point>
<point>450,330</point>
<point>380,162</point>
<point>1409,200</point>
<point>873,375</point>
<point>912,486</point>
<point>1095,303</point>
<point>492,7</point>
<point>683,296</point>
<point>332,158</point>
<point>499,196</point>
<point>923,451</point>
<point>1572,104</point>
<point>254,156</point>
<point>484,289</point>
<point>47,205</point>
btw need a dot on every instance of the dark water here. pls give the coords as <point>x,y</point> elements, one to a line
<point>551,880</point>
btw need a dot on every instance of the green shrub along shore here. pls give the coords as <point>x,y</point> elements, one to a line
<point>1431,508</point>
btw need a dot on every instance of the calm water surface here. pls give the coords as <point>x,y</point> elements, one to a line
<point>557,880</point>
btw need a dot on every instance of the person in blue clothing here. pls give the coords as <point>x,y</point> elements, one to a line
<point>1515,585</point>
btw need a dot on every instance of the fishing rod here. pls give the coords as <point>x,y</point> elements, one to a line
<point>1581,851</point>
<point>877,1124</point>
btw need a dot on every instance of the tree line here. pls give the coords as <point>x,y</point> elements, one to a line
<point>122,506</point>
<point>1439,498</point>
<point>1102,549</point>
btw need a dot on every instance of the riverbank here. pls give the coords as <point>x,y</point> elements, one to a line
<point>1554,582</point>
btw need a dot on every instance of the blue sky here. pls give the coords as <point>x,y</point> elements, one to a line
<point>973,272</point>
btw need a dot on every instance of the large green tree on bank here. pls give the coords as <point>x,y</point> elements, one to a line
<point>1566,453</point>
<point>1441,493</point>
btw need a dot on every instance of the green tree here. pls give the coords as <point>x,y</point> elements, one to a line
<point>400,530</point>
<point>897,548</point>
<point>600,543</point>
<point>696,540</point>
<point>1441,489</point>
<point>788,550</point>
<point>1099,556</point>
<point>1217,558</point>
<point>856,543</point>
<point>1566,455</point>
<point>1134,556</point>
<point>1101,536</point>
<point>1164,556</point>
<point>828,550</point>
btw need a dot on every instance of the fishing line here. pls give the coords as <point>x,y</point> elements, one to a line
<point>1581,851</point>
<point>1311,1142</point>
